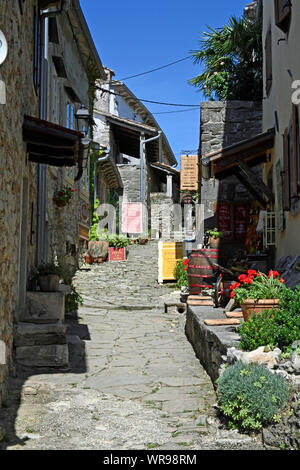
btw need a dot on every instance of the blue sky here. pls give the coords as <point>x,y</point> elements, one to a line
<point>134,36</point>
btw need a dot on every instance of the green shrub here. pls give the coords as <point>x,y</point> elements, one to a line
<point>73,300</point>
<point>275,328</point>
<point>250,396</point>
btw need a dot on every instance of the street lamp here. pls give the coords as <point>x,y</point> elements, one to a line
<point>83,117</point>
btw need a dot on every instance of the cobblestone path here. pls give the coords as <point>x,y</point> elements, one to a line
<point>139,385</point>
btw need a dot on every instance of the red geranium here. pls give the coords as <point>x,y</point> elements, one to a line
<point>275,274</point>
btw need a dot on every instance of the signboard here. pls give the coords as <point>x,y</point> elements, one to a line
<point>189,173</point>
<point>132,217</point>
<point>168,255</point>
<point>117,254</point>
<point>240,221</point>
<point>84,212</point>
<point>224,217</point>
<point>83,232</point>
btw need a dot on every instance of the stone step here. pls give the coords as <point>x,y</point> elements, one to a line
<point>234,314</point>
<point>41,345</point>
<point>200,303</point>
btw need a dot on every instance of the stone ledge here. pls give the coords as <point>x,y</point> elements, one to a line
<point>210,343</point>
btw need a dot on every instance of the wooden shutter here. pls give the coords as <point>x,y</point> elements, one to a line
<point>295,155</point>
<point>283,10</point>
<point>268,61</point>
<point>286,162</point>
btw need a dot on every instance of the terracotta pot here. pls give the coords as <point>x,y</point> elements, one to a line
<point>143,241</point>
<point>89,259</point>
<point>49,283</point>
<point>249,307</point>
<point>214,243</point>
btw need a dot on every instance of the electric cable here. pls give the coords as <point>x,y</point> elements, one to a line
<point>155,70</point>
<point>150,101</point>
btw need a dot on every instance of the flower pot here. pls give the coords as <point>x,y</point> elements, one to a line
<point>249,307</point>
<point>214,243</point>
<point>88,259</point>
<point>49,283</point>
<point>143,241</point>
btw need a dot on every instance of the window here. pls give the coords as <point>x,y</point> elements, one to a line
<point>36,48</point>
<point>283,11</point>
<point>286,162</point>
<point>268,61</point>
<point>70,113</point>
<point>53,31</point>
<point>295,163</point>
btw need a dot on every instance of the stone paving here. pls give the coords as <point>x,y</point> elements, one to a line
<point>135,382</point>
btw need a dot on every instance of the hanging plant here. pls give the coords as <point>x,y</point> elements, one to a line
<point>62,198</point>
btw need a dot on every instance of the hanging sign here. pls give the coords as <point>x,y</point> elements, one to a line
<point>189,174</point>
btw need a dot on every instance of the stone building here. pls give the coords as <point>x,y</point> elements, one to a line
<point>281,32</point>
<point>46,76</point>
<point>139,159</point>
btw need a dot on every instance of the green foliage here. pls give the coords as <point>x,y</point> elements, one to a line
<point>232,59</point>
<point>73,300</point>
<point>181,275</point>
<point>49,268</point>
<point>275,328</point>
<point>250,396</point>
<point>215,233</point>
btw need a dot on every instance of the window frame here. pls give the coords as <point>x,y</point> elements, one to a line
<point>283,20</point>
<point>268,61</point>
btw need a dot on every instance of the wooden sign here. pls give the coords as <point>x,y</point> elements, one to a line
<point>117,254</point>
<point>189,174</point>
<point>83,232</point>
<point>168,255</point>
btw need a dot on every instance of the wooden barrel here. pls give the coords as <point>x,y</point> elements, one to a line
<point>201,270</point>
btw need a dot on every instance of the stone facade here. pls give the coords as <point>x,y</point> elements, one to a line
<point>18,176</point>
<point>224,124</point>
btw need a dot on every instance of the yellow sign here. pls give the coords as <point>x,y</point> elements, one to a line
<point>189,174</point>
<point>169,254</point>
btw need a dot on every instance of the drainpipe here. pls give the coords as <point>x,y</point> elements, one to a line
<point>101,159</point>
<point>142,142</point>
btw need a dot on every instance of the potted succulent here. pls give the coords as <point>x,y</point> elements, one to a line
<point>256,292</point>
<point>62,198</point>
<point>48,277</point>
<point>214,237</point>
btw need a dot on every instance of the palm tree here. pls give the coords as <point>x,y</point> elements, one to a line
<point>232,59</point>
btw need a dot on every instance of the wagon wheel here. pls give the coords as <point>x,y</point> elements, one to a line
<point>219,295</point>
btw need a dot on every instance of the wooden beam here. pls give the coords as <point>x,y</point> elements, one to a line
<point>255,181</point>
<point>251,189</point>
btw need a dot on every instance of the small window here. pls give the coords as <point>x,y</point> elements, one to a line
<point>295,166</point>
<point>59,66</point>
<point>283,11</point>
<point>286,161</point>
<point>36,48</point>
<point>70,113</point>
<point>268,61</point>
<point>53,31</point>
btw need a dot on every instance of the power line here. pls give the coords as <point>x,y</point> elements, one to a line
<point>150,101</point>
<point>173,112</point>
<point>155,70</point>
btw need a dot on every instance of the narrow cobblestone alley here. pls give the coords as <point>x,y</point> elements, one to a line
<point>135,382</point>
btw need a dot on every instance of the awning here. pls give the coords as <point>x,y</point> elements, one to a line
<point>51,144</point>
<point>252,152</point>
<point>111,173</point>
<point>238,159</point>
<point>165,169</point>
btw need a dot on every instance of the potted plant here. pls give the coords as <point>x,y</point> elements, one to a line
<point>143,239</point>
<point>214,237</point>
<point>117,246</point>
<point>62,198</point>
<point>48,277</point>
<point>256,292</point>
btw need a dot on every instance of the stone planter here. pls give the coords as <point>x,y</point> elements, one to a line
<point>49,283</point>
<point>249,307</point>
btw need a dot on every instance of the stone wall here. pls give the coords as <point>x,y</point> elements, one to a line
<point>17,175</point>
<point>224,124</point>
